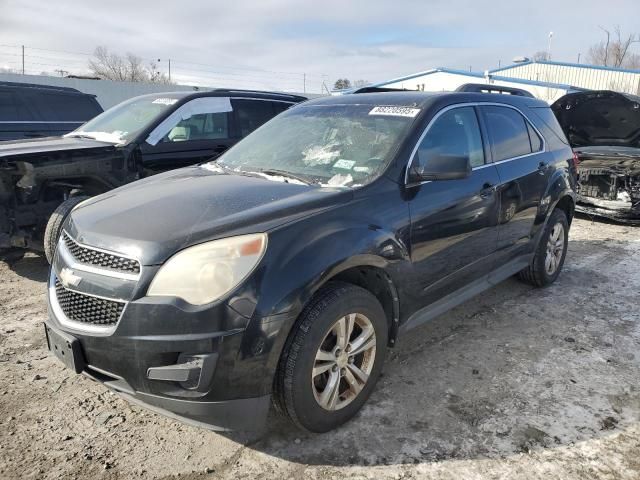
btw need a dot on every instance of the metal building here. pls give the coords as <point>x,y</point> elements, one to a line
<point>591,77</point>
<point>447,79</point>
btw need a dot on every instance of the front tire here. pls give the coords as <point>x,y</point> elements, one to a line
<point>333,358</point>
<point>550,254</point>
<point>54,225</point>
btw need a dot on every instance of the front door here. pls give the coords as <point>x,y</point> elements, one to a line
<point>453,222</point>
<point>199,130</point>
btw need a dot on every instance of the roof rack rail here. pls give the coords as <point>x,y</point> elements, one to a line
<point>40,86</point>
<point>280,94</point>
<point>379,90</point>
<point>490,88</point>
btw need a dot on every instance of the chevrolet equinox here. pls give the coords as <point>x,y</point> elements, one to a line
<point>285,269</point>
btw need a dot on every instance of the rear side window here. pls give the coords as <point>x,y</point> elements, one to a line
<point>13,109</point>
<point>55,107</point>
<point>454,133</point>
<point>508,131</point>
<point>251,114</point>
<point>279,107</point>
<point>548,117</point>
<point>534,138</point>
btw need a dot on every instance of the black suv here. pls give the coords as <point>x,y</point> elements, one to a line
<point>30,111</point>
<point>45,178</point>
<point>285,269</point>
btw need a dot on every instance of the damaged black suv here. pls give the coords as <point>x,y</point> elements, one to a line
<point>46,178</point>
<point>603,127</point>
<point>284,270</point>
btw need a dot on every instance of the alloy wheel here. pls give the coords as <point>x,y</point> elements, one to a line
<point>344,361</point>
<point>555,249</point>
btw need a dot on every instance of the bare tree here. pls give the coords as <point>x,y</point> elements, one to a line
<point>361,83</point>
<point>130,68</point>
<point>615,50</point>
<point>541,56</point>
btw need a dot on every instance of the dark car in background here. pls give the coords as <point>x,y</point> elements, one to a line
<point>41,180</point>
<point>31,111</point>
<point>285,269</point>
<point>603,128</point>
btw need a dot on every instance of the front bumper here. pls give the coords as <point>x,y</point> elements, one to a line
<point>142,357</point>
<point>622,212</point>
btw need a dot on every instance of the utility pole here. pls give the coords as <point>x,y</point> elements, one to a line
<point>549,47</point>
<point>23,59</point>
<point>304,83</point>
<point>169,70</point>
<point>578,58</point>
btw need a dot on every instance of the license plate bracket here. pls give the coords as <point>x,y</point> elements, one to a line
<point>66,347</point>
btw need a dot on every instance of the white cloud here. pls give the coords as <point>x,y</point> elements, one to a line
<point>373,40</point>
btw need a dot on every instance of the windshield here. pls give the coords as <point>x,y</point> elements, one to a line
<point>333,145</point>
<point>121,123</point>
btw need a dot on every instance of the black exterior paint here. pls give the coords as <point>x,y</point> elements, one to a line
<point>421,247</point>
<point>37,175</point>
<point>603,127</point>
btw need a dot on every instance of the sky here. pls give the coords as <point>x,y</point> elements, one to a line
<point>296,45</point>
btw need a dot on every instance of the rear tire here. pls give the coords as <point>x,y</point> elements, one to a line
<point>550,254</point>
<point>54,225</point>
<point>332,358</point>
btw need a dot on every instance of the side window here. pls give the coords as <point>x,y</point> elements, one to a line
<point>534,138</point>
<point>13,108</point>
<point>251,114</point>
<point>204,118</point>
<point>454,133</point>
<point>508,132</point>
<point>279,107</point>
<point>203,126</point>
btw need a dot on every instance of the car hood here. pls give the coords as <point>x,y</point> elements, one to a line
<point>153,218</point>
<point>599,118</point>
<point>18,148</point>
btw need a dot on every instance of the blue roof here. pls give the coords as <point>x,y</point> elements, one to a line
<point>476,75</point>
<point>565,64</point>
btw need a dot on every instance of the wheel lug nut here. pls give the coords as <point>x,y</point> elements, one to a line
<point>348,348</point>
<point>337,352</point>
<point>334,368</point>
<point>350,359</point>
<point>343,371</point>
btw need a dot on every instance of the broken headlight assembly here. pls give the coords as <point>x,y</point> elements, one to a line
<point>204,273</point>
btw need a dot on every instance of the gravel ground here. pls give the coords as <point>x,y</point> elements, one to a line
<point>517,383</point>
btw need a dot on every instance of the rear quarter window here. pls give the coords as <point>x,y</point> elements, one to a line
<point>13,108</point>
<point>55,107</point>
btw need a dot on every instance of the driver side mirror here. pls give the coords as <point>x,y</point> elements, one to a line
<point>440,166</point>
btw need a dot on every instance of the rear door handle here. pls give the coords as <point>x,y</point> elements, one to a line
<point>487,189</point>
<point>542,167</point>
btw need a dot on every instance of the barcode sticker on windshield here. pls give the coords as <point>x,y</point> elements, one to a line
<point>345,164</point>
<point>165,101</point>
<point>395,111</point>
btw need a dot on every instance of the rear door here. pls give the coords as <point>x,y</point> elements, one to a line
<point>519,155</point>
<point>453,222</point>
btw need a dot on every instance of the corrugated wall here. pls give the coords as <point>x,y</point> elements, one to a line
<point>591,78</point>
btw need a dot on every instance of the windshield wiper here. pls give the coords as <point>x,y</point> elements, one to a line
<point>284,173</point>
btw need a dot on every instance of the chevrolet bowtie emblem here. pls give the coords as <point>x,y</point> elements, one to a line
<point>68,278</point>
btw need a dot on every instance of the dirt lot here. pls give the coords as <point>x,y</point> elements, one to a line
<point>519,383</point>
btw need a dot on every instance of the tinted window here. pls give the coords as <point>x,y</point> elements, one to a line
<point>279,107</point>
<point>12,108</point>
<point>250,114</point>
<point>548,117</point>
<point>508,132</point>
<point>454,133</point>
<point>534,138</point>
<point>56,107</point>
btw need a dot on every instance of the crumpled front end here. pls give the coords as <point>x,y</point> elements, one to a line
<point>610,187</point>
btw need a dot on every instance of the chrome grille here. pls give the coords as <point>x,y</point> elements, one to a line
<point>98,258</point>
<point>86,309</point>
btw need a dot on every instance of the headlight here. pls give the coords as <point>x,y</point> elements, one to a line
<point>206,272</point>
